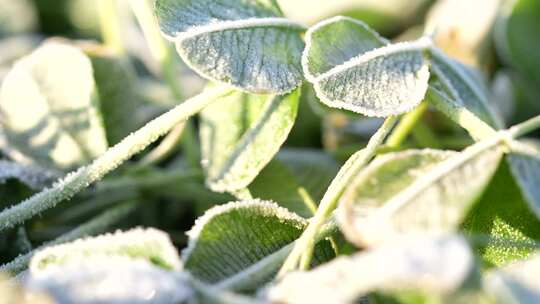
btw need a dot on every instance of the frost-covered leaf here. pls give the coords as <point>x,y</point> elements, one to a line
<point>463,87</point>
<point>241,133</point>
<point>415,191</point>
<point>504,217</point>
<point>49,109</point>
<point>437,266</point>
<point>116,89</point>
<point>353,68</point>
<point>526,171</point>
<point>290,170</point>
<point>515,283</point>
<point>146,244</point>
<point>247,44</point>
<point>34,177</point>
<point>111,279</point>
<point>232,237</point>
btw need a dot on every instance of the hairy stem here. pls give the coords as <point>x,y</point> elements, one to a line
<point>307,199</point>
<point>477,128</point>
<point>95,226</point>
<point>303,248</point>
<point>164,55</point>
<point>525,127</point>
<point>110,160</point>
<point>405,126</point>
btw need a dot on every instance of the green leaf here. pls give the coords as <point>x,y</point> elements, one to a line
<point>515,283</point>
<point>232,237</point>
<point>503,216</point>
<point>290,170</point>
<point>117,92</point>
<point>150,245</point>
<point>247,44</point>
<point>415,191</point>
<point>33,177</point>
<point>64,129</point>
<point>353,68</point>
<point>516,37</point>
<point>525,168</point>
<point>438,266</point>
<point>463,87</point>
<point>241,133</point>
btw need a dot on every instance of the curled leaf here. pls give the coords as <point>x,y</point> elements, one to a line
<point>353,68</point>
<point>116,279</point>
<point>464,88</point>
<point>146,244</point>
<point>247,44</point>
<point>241,133</point>
<point>425,191</point>
<point>232,237</point>
<point>64,129</point>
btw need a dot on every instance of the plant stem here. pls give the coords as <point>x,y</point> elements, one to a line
<point>525,127</point>
<point>303,248</point>
<point>110,27</point>
<point>96,225</point>
<point>477,128</point>
<point>165,148</point>
<point>406,125</point>
<point>110,160</point>
<point>307,199</point>
<point>165,57</point>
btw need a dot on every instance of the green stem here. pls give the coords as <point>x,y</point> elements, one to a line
<point>110,160</point>
<point>94,226</point>
<point>110,27</point>
<point>165,57</point>
<point>165,148</point>
<point>307,199</point>
<point>405,126</point>
<point>303,248</point>
<point>477,128</point>
<point>525,127</point>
